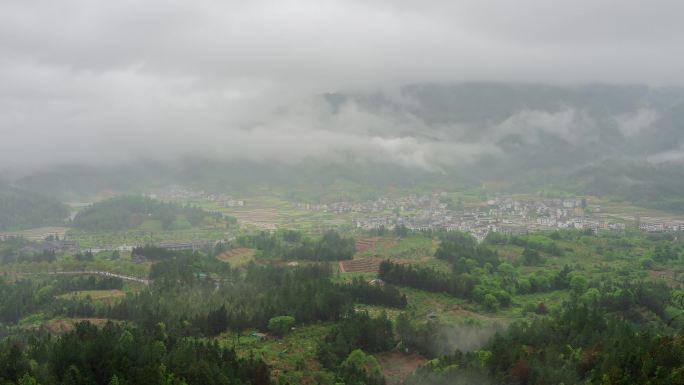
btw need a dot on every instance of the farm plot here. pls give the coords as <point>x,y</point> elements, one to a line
<point>364,265</point>
<point>36,234</point>
<point>263,218</point>
<point>363,244</point>
<point>107,296</point>
<point>396,366</point>
<point>237,257</point>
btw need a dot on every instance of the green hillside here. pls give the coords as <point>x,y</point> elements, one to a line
<point>128,212</point>
<point>22,209</point>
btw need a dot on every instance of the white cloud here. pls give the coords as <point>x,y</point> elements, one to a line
<point>632,123</point>
<point>567,124</point>
<point>110,81</point>
<point>672,156</point>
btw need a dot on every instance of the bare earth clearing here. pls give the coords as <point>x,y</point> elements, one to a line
<point>234,253</point>
<point>397,366</point>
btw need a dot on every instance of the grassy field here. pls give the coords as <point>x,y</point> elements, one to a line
<point>148,232</point>
<point>124,265</point>
<point>57,325</point>
<point>271,213</point>
<point>292,358</point>
<point>238,257</point>
<point>105,296</point>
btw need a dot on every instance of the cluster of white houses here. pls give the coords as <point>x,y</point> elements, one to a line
<point>181,194</point>
<point>510,216</point>
<point>406,203</point>
<point>653,225</point>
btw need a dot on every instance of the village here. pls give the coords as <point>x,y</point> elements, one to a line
<point>437,211</point>
<point>180,194</point>
<point>502,215</point>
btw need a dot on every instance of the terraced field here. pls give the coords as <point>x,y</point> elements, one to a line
<point>365,265</point>
<point>363,244</point>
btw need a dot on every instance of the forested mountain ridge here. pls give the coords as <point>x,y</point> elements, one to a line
<point>21,209</point>
<point>127,212</point>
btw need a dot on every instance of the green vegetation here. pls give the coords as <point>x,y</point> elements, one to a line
<point>557,300</point>
<point>22,209</point>
<point>293,245</point>
<point>127,212</point>
<point>280,325</point>
<point>583,343</point>
<point>117,354</point>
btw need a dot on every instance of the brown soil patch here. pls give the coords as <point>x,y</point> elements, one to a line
<point>365,265</point>
<point>666,276</point>
<point>363,244</point>
<point>397,366</point>
<point>226,255</point>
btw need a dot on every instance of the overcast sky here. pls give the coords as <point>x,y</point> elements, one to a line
<point>112,81</point>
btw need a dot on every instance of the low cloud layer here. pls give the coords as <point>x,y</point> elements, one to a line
<point>109,82</point>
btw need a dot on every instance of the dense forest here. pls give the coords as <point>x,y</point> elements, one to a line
<point>119,354</point>
<point>170,319</point>
<point>22,209</point>
<point>291,245</point>
<point>128,212</point>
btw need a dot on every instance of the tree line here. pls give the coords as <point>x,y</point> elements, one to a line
<point>123,355</point>
<point>291,245</point>
<point>126,212</point>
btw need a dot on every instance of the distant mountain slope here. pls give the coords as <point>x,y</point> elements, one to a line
<point>534,125</point>
<point>21,209</point>
<point>529,136</point>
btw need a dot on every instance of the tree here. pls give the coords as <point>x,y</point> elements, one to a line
<point>280,325</point>
<point>490,302</point>
<point>508,273</point>
<point>72,376</point>
<point>28,380</point>
<point>217,321</point>
<point>647,263</point>
<point>532,257</point>
<point>579,284</point>
<point>360,369</point>
<point>541,308</point>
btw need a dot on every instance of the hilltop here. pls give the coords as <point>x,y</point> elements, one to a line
<point>128,212</point>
